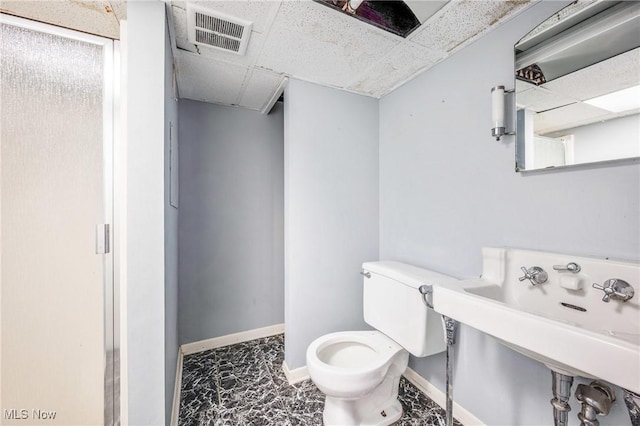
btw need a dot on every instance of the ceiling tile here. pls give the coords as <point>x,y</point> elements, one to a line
<point>203,79</point>
<point>259,88</point>
<point>119,8</point>
<point>558,17</point>
<point>93,17</point>
<point>400,65</point>
<point>621,72</point>
<point>521,86</point>
<point>318,44</point>
<point>460,22</point>
<point>180,26</point>
<point>425,9</point>
<point>539,99</point>
<point>570,116</point>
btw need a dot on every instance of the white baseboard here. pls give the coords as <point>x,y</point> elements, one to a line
<point>439,397</point>
<point>230,339</point>
<point>296,375</point>
<point>175,409</point>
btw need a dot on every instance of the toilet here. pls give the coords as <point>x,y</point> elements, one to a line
<point>359,371</point>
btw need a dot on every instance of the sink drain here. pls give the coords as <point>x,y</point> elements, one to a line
<point>577,308</point>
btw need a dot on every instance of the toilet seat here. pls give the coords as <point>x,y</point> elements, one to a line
<point>350,364</point>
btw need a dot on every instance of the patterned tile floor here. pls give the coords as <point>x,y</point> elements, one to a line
<point>243,384</point>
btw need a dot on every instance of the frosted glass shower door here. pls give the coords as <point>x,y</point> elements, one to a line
<point>56,334</point>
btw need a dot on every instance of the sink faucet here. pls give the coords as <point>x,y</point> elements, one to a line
<point>615,287</point>
<point>536,275</point>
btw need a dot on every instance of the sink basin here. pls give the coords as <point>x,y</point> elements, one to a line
<point>563,323</point>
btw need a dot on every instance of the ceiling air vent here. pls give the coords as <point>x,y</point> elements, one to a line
<point>213,29</point>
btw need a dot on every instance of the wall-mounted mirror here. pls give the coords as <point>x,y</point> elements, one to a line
<point>578,87</point>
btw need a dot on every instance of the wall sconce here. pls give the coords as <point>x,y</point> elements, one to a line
<point>499,98</point>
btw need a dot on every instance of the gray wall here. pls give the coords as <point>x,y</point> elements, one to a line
<point>144,276</point>
<point>617,138</point>
<point>231,220</point>
<point>331,211</point>
<point>447,189</point>
<point>170,236</point>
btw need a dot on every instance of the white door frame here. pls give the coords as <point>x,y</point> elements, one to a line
<point>110,120</point>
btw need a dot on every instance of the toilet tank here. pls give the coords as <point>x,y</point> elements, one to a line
<point>393,305</point>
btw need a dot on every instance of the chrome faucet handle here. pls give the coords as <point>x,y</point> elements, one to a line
<point>536,275</point>
<point>571,267</point>
<point>615,287</point>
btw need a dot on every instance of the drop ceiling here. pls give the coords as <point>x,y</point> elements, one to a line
<point>301,39</point>
<point>311,42</point>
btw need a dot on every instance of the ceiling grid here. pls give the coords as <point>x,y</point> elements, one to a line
<point>302,39</point>
<point>309,41</point>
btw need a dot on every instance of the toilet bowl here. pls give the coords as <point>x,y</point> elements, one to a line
<point>359,372</point>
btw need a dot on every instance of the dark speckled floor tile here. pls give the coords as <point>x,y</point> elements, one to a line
<point>304,402</point>
<point>199,399</point>
<point>243,384</point>
<point>418,409</point>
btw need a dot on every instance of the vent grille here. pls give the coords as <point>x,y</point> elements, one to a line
<point>216,40</point>
<point>217,25</point>
<point>213,29</point>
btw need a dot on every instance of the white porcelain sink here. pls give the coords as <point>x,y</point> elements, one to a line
<point>562,323</point>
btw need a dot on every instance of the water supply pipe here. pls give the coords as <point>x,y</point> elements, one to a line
<point>632,401</point>
<point>450,326</point>
<point>597,399</point>
<point>561,388</point>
